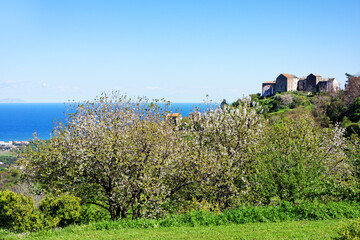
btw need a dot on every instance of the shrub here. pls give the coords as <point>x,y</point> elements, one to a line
<point>298,160</point>
<point>92,213</point>
<point>297,101</point>
<point>61,210</point>
<point>353,128</point>
<point>286,99</point>
<point>17,212</point>
<point>354,110</point>
<point>350,230</point>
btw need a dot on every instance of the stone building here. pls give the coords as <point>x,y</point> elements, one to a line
<point>268,88</point>
<point>328,85</point>
<point>174,118</point>
<point>310,83</point>
<point>287,82</point>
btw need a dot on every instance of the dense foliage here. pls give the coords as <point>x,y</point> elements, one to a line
<point>9,175</point>
<point>8,178</point>
<point>124,158</point>
<point>350,230</point>
<point>299,160</point>
<point>61,210</point>
<point>116,153</point>
<point>128,158</point>
<point>7,160</point>
<point>217,148</point>
<point>18,212</point>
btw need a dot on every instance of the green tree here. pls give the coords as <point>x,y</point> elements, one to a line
<point>223,103</point>
<point>299,160</point>
<point>353,152</point>
<point>354,110</point>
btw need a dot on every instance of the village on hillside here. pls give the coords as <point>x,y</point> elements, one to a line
<point>312,83</point>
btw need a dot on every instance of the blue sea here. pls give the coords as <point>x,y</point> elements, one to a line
<point>19,121</point>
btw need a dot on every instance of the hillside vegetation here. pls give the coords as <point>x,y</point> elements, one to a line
<point>326,108</point>
<point>286,157</point>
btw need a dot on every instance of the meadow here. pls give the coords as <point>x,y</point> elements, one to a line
<point>326,229</point>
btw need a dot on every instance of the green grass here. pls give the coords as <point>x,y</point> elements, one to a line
<point>284,230</point>
<point>6,153</point>
<point>283,110</point>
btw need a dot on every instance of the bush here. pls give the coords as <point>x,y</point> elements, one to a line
<point>298,160</point>
<point>60,211</point>
<point>297,101</point>
<point>354,110</point>
<point>353,128</point>
<point>351,230</point>
<point>17,212</point>
<point>92,213</point>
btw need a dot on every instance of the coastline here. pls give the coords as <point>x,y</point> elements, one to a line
<point>8,146</point>
<point>20,121</point>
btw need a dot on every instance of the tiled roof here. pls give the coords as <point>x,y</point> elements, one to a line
<point>174,115</point>
<point>289,75</point>
<point>268,82</point>
<point>316,75</point>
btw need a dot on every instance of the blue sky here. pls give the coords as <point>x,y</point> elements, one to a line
<point>55,51</point>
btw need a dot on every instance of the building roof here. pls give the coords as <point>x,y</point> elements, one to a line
<point>316,75</point>
<point>289,75</point>
<point>174,115</point>
<point>268,82</point>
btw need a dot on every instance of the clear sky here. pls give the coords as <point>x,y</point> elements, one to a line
<point>180,50</point>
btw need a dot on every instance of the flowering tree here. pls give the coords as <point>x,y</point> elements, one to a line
<point>219,142</point>
<point>115,152</point>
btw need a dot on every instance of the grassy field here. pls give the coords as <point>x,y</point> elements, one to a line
<point>285,230</point>
<point>5,153</point>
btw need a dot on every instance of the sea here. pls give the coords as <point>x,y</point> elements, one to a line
<point>20,121</point>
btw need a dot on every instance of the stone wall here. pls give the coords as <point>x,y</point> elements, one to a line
<point>281,83</point>
<point>268,88</point>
